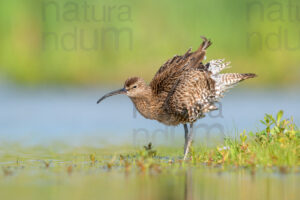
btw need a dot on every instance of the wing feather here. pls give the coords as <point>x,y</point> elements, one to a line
<point>170,71</point>
<point>193,94</point>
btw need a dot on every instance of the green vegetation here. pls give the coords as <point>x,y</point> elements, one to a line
<point>261,165</point>
<point>92,42</point>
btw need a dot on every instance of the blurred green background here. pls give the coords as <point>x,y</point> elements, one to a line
<point>103,42</point>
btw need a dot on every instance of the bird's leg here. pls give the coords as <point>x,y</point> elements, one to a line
<point>189,142</point>
<point>186,135</point>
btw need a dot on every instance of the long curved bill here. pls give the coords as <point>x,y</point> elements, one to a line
<point>120,91</point>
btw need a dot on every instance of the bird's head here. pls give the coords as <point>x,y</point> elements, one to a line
<point>134,87</point>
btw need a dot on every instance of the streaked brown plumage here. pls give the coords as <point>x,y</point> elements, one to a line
<point>182,90</point>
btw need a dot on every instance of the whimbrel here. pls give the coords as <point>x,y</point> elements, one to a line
<point>182,91</point>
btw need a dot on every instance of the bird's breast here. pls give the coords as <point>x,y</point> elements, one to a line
<point>146,108</point>
<point>154,110</point>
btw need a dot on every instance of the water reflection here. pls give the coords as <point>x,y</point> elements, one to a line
<point>190,182</point>
<point>212,183</point>
<point>188,185</point>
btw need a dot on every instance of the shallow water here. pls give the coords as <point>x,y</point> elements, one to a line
<point>46,114</point>
<point>188,184</point>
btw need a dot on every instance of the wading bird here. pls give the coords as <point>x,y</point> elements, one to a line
<point>182,91</point>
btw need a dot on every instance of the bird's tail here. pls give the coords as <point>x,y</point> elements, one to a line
<point>228,80</point>
<point>225,81</point>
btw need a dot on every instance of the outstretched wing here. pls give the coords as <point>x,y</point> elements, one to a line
<point>169,73</point>
<point>197,90</point>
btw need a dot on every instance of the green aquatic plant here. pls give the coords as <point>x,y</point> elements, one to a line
<point>149,151</point>
<point>277,129</point>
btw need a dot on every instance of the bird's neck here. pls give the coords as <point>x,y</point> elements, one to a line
<point>146,104</point>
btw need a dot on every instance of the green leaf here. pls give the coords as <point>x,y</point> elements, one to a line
<point>275,130</point>
<point>271,118</point>
<point>267,120</point>
<point>279,116</point>
<point>263,122</point>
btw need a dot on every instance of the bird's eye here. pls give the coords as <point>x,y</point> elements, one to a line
<point>134,86</point>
